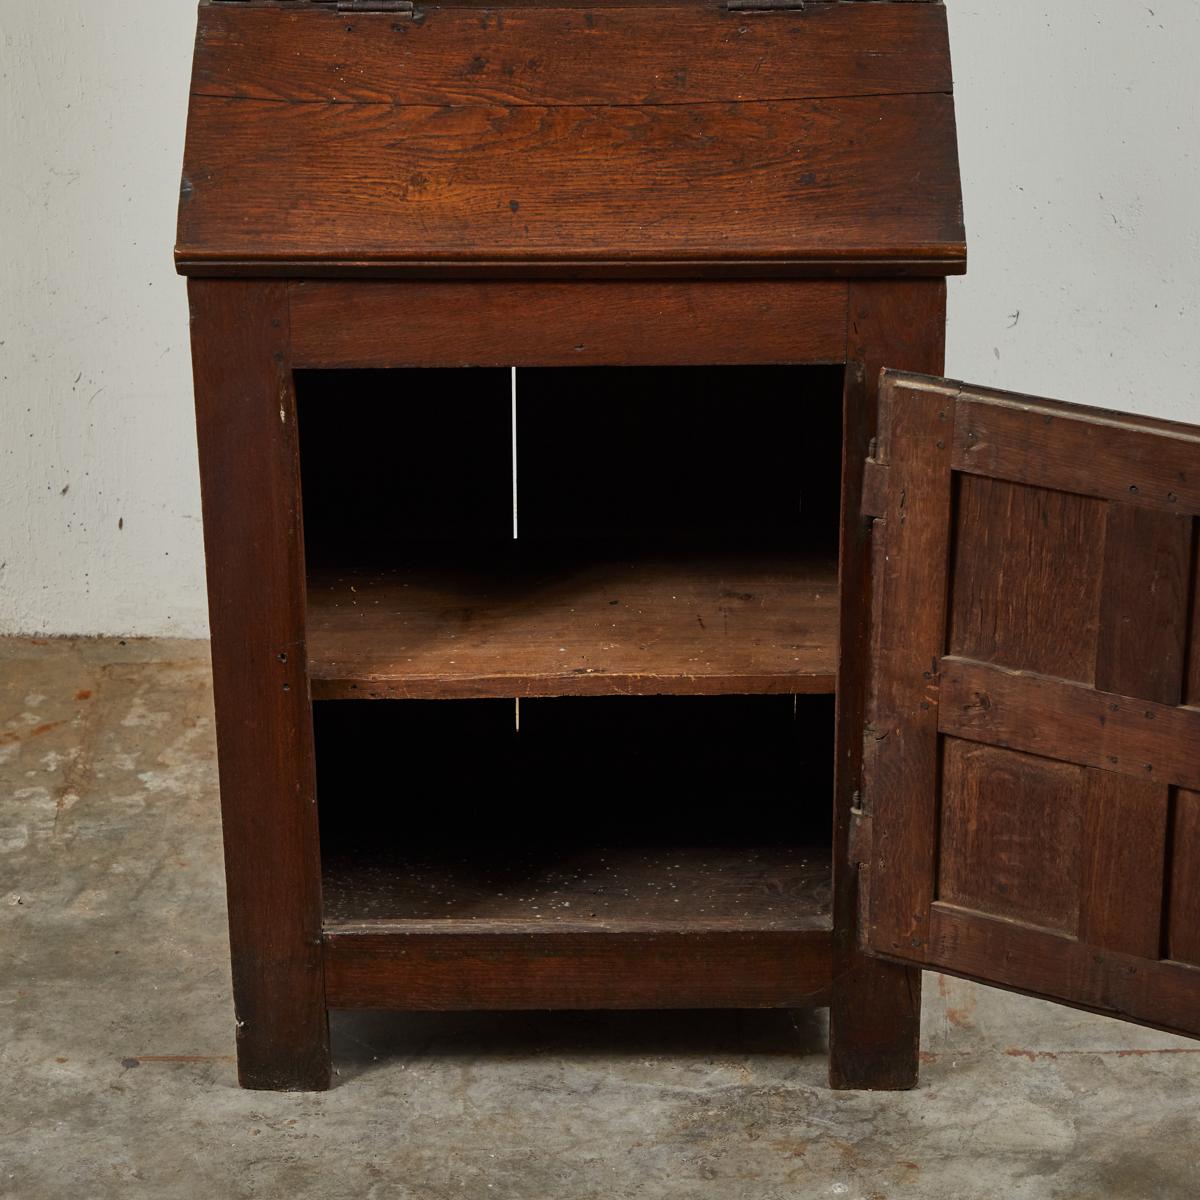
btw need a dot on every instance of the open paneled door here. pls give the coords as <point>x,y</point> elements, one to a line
<point>1030,810</point>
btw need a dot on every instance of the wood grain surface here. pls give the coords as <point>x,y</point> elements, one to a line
<point>860,181</point>
<point>573,55</point>
<point>416,967</point>
<point>1072,722</point>
<point>1063,862</point>
<point>1087,452</point>
<point>875,1008</point>
<point>249,477</point>
<point>908,624</point>
<point>865,184</point>
<point>644,139</point>
<point>557,55</point>
<point>547,323</point>
<point>1053,544</point>
<point>1164,995</point>
<point>686,625</point>
<point>1143,626</point>
<point>1183,901</point>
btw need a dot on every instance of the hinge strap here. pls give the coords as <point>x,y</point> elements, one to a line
<point>874,489</point>
<point>861,833</point>
<point>764,5</point>
<point>404,7</point>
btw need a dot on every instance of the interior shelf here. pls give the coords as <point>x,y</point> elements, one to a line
<point>586,887</point>
<point>517,624</point>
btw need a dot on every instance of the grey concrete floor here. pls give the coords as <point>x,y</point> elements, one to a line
<point>118,1076</point>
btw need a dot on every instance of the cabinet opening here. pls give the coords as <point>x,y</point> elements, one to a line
<point>678,531</point>
<point>654,812</point>
<point>394,463</point>
<point>696,458</point>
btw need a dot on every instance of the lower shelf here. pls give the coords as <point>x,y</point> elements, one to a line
<point>622,927</point>
<point>685,889</point>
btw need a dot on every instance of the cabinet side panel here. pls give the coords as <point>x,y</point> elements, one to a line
<point>246,424</point>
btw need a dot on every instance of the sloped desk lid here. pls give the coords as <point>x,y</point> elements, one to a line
<point>662,139</point>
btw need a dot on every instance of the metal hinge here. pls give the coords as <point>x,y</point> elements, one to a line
<point>874,487</point>
<point>400,8</point>
<point>861,832</point>
<point>403,7</point>
<point>764,5</point>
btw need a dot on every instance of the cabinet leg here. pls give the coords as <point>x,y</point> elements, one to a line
<point>875,1026</point>
<point>249,476</point>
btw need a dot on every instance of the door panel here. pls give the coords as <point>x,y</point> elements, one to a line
<point>1183,907</point>
<point>1011,829</point>
<point>1053,544</point>
<point>1031,780</point>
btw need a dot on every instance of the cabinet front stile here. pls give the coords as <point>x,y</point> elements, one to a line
<point>246,426</point>
<point>875,1009</point>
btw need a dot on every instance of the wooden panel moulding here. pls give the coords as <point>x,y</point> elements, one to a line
<point>1011,827</point>
<point>1144,609</point>
<point>1183,898</point>
<point>1124,859</point>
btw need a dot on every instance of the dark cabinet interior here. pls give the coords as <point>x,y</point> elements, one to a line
<point>625,712</point>
<point>674,812</point>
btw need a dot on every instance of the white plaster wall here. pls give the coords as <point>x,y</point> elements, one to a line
<point>1079,122</point>
<point>99,496</point>
<point>1079,134</point>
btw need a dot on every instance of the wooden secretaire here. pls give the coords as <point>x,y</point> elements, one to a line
<point>594,625</point>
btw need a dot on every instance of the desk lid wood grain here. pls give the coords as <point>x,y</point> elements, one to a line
<point>656,139</point>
